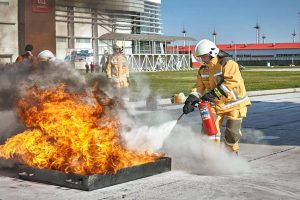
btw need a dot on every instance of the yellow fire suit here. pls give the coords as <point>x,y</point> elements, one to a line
<point>117,70</point>
<point>225,73</point>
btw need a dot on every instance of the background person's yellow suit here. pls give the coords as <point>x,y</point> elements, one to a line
<point>117,70</point>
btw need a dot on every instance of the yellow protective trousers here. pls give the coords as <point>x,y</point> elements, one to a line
<point>232,133</point>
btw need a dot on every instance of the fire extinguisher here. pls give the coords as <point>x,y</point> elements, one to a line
<point>208,122</point>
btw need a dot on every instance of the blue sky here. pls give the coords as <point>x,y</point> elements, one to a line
<point>233,20</point>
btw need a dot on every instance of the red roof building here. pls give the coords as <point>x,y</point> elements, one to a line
<point>254,54</point>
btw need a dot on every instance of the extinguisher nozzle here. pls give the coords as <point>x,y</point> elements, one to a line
<point>180,117</point>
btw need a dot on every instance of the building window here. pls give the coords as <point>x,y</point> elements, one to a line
<point>61,39</point>
<point>83,40</point>
<point>4,2</point>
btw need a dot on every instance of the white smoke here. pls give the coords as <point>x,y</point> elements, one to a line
<point>189,151</point>
<point>142,89</point>
<point>148,137</point>
<point>194,153</point>
<point>253,136</point>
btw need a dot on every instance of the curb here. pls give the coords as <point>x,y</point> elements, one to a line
<point>271,92</point>
<point>250,94</point>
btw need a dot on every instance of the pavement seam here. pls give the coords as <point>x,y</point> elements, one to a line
<point>275,153</point>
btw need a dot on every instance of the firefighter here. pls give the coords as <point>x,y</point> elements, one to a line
<point>117,68</point>
<point>27,56</point>
<point>219,82</point>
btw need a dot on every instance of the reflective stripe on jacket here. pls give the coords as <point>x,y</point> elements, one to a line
<point>228,76</point>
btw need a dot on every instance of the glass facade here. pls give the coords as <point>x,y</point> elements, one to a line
<point>79,25</point>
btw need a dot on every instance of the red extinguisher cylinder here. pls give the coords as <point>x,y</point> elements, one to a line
<point>208,122</point>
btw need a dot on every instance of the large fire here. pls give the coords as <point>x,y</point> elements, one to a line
<point>68,133</point>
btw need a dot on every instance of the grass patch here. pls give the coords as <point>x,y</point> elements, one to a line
<point>270,80</point>
<point>167,84</point>
<point>170,83</point>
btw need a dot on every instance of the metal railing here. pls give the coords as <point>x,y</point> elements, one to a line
<point>158,62</point>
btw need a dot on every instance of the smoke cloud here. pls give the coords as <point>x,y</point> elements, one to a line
<point>15,79</point>
<point>141,86</point>
<point>189,151</point>
<point>194,153</point>
<point>148,137</point>
<point>253,136</point>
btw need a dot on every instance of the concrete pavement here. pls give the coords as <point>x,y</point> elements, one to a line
<point>260,172</point>
<point>275,174</point>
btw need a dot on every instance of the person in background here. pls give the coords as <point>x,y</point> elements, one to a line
<point>92,67</point>
<point>87,67</point>
<point>103,61</point>
<point>219,81</point>
<point>27,56</point>
<point>97,68</point>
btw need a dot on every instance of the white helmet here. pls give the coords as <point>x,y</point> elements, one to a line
<point>46,55</point>
<point>118,45</point>
<point>206,47</point>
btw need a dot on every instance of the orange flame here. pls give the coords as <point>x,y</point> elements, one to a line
<point>67,133</point>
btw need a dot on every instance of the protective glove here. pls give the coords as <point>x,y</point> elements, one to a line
<point>208,97</point>
<point>217,92</point>
<point>189,104</point>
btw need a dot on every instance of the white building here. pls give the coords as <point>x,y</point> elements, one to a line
<point>8,30</point>
<point>79,25</point>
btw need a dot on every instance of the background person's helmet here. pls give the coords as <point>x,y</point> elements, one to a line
<point>206,47</point>
<point>118,45</point>
<point>46,56</point>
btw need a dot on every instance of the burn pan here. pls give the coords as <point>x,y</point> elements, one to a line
<point>95,181</point>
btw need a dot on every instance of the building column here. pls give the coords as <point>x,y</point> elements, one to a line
<point>95,35</point>
<point>36,25</point>
<point>70,26</point>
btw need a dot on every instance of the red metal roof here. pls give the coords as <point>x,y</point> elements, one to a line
<point>228,47</point>
<point>266,46</point>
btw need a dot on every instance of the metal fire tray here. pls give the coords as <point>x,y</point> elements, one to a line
<point>95,181</point>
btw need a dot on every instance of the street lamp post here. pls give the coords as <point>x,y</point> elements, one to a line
<point>234,49</point>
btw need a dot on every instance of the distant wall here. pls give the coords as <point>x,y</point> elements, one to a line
<point>8,30</point>
<point>37,28</point>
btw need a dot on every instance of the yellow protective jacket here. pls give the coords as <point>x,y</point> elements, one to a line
<point>225,73</point>
<point>117,70</point>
